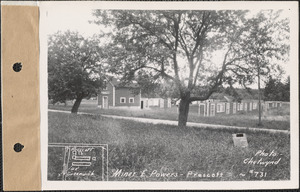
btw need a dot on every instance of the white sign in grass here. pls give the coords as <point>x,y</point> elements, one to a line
<point>240,140</point>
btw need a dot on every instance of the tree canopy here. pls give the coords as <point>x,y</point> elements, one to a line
<point>74,67</point>
<point>178,46</point>
<point>275,90</point>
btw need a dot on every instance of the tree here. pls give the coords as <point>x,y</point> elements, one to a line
<point>74,68</point>
<point>286,90</point>
<point>267,45</point>
<point>275,90</point>
<point>271,90</point>
<point>152,86</point>
<point>178,46</point>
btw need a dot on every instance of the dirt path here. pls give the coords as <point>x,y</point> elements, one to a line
<point>191,124</point>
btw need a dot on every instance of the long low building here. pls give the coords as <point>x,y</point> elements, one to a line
<point>156,102</point>
<point>211,108</point>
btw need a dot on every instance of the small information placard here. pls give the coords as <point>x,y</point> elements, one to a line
<point>79,162</point>
<point>240,140</point>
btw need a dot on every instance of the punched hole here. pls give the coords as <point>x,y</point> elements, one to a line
<point>18,147</point>
<point>17,67</point>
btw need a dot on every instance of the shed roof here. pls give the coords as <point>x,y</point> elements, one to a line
<point>221,97</point>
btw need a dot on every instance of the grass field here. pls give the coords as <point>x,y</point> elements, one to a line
<point>185,153</point>
<point>273,119</point>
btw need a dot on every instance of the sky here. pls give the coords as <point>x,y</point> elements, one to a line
<point>76,18</point>
<point>63,20</point>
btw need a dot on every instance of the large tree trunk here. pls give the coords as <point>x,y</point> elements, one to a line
<point>183,110</point>
<point>76,105</point>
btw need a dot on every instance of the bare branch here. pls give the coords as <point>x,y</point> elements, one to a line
<point>163,73</point>
<point>199,61</point>
<point>202,31</point>
<point>184,46</point>
<point>152,33</point>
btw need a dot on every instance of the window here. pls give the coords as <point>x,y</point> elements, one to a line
<point>254,105</point>
<point>131,100</point>
<point>104,85</point>
<point>220,107</point>
<point>122,99</point>
<point>212,110</point>
<point>241,107</point>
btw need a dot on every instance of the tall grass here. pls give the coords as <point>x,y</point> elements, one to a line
<point>135,147</point>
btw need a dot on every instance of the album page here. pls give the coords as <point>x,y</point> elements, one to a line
<point>168,95</point>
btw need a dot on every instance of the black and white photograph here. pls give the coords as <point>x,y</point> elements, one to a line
<point>171,93</point>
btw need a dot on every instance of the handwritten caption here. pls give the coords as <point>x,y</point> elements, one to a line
<point>85,162</point>
<point>259,164</point>
<point>260,161</point>
<point>165,174</point>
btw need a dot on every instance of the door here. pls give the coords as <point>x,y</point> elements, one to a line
<point>161,103</point>
<point>212,110</point>
<point>227,108</point>
<point>234,108</point>
<point>105,102</point>
<point>201,110</point>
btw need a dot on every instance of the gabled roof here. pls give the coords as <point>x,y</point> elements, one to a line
<point>222,97</point>
<point>241,94</point>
